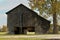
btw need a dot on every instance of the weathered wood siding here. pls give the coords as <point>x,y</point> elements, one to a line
<point>13,20</point>
<point>21,16</point>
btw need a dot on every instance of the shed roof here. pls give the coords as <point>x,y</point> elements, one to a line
<point>27,8</point>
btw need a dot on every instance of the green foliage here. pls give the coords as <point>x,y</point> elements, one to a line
<point>41,6</point>
<point>48,6</point>
<point>37,4</point>
<point>4,29</point>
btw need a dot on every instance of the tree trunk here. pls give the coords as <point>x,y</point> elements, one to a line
<point>54,5</point>
<point>55,27</point>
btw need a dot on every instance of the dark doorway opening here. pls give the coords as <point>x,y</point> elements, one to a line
<point>28,29</point>
<point>31,29</point>
<point>17,30</point>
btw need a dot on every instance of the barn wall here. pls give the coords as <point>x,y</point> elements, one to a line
<point>10,24</point>
<point>31,19</point>
<point>13,20</point>
<point>23,17</point>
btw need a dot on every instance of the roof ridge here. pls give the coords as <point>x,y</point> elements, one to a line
<point>14,8</point>
<point>25,7</point>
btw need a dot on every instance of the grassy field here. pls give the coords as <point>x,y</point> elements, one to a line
<point>23,37</point>
<point>5,33</point>
<point>20,39</point>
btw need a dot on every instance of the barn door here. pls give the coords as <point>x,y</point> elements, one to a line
<point>16,30</point>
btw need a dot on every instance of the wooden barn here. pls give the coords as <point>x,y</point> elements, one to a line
<point>22,19</point>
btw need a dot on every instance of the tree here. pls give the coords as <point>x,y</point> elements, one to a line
<point>55,10</point>
<point>49,7</point>
<point>4,29</point>
<point>38,5</point>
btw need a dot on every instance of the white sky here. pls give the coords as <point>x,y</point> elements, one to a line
<point>6,5</point>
